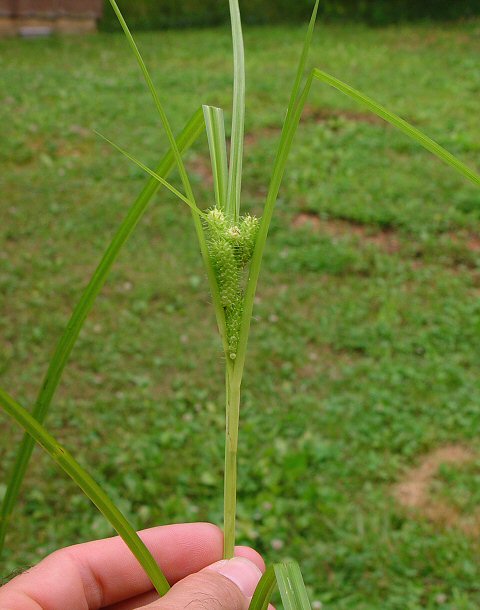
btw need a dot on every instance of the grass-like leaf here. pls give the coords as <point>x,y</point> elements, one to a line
<point>215,127</point>
<point>291,586</point>
<point>286,139</point>
<point>65,345</point>
<point>238,117</point>
<point>158,103</point>
<point>264,590</point>
<point>295,107</point>
<point>170,187</point>
<point>399,123</point>
<point>89,486</point>
<point>288,578</point>
<point>303,62</point>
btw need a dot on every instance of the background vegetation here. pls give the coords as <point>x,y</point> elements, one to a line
<point>364,353</point>
<point>152,14</point>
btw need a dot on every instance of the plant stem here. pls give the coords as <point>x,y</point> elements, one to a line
<point>231,444</point>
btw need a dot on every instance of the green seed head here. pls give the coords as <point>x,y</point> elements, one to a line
<point>234,234</point>
<point>226,269</point>
<point>216,223</point>
<point>233,319</point>
<point>230,248</point>
<point>248,235</point>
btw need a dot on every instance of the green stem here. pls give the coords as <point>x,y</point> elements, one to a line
<point>65,345</point>
<point>230,480</point>
<point>89,486</point>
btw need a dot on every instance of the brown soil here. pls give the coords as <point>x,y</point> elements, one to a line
<point>311,114</point>
<point>471,241</point>
<point>413,492</point>
<point>384,239</point>
<point>323,115</point>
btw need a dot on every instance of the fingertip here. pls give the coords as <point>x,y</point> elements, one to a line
<point>252,555</point>
<point>241,571</point>
<point>210,530</point>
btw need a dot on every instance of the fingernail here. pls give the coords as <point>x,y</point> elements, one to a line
<point>243,572</point>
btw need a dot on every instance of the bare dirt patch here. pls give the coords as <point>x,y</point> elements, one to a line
<point>413,493</point>
<point>311,114</point>
<point>471,241</point>
<point>384,239</point>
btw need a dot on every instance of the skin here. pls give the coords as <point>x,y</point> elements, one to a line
<point>104,574</point>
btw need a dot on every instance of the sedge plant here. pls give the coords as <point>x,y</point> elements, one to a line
<point>232,246</point>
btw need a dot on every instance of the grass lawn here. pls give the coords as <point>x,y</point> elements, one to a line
<point>363,368</point>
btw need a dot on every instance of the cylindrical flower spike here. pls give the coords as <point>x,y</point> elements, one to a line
<point>226,270</point>
<point>248,235</point>
<point>230,248</point>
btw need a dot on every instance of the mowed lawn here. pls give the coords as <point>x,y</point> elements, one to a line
<point>364,354</point>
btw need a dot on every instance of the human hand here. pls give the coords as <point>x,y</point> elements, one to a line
<point>105,575</point>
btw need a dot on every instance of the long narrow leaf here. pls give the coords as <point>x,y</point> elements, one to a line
<point>302,62</point>
<point>238,118</point>
<point>146,169</point>
<point>89,486</point>
<point>399,123</point>
<point>215,126</point>
<point>286,139</point>
<point>291,586</point>
<point>158,103</point>
<point>264,590</point>
<point>65,345</point>
<point>296,103</point>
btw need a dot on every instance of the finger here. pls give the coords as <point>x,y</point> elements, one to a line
<point>146,598</point>
<point>228,584</point>
<point>139,601</point>
<point>252,555</point>
<point>104,572</point>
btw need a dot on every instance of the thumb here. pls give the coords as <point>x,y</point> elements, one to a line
<point>227,584</point>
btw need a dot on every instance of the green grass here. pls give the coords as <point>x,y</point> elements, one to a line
<point>367,356</point>
<point>459,487</point>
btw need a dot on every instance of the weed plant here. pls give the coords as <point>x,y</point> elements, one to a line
<point>232,246</point>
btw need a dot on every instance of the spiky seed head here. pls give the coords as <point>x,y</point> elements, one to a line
<point>233,319</point>
<point>248,235</point>
<point>230,248</point>
<point>234,233</point>
<point>226,270</point>
<point>216,222</point>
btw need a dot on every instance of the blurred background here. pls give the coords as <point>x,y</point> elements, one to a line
<point>360,421</point>
<point>85,15</point>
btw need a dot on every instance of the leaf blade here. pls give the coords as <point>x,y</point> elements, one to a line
<point>157,177</point>
<point>157,101</point>
<point>303,61</point>
<point>215,126</point>
<point>264,589</point>
<point>238,116</point>
<point>399,123</point>
<point>285,144</point>
<point>291,586</point>
<point>292,118</point>
<point>89,486</point>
